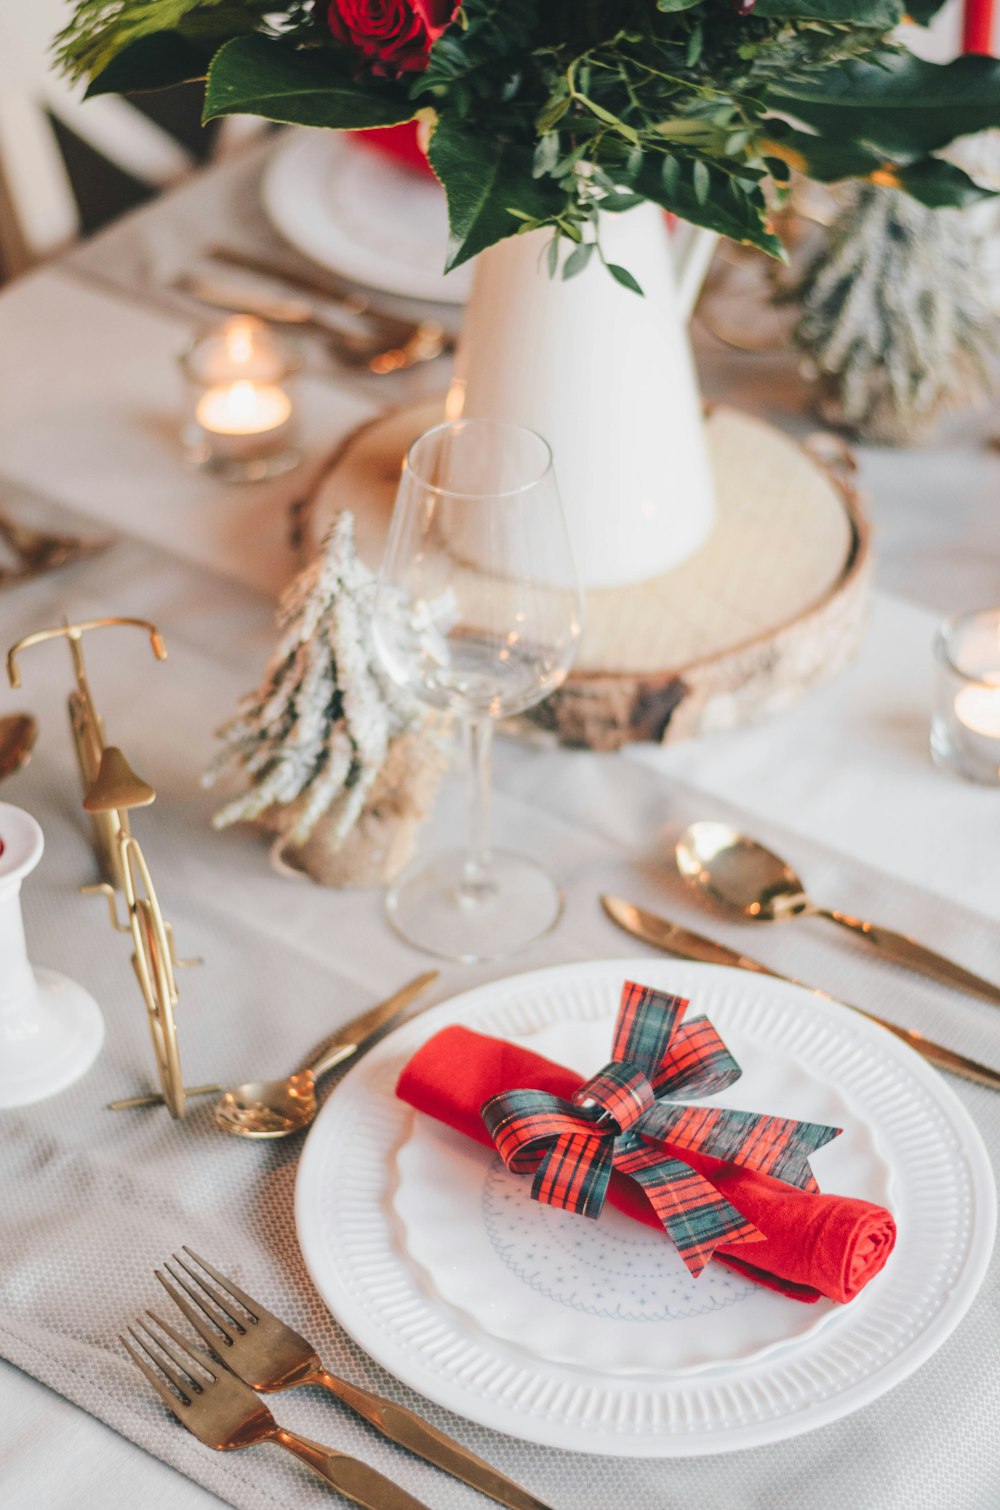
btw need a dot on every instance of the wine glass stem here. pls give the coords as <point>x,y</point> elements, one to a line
<point>479,746</point>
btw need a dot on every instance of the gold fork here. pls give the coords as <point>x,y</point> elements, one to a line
<point>269,1356</point>
<point>224,1414</point>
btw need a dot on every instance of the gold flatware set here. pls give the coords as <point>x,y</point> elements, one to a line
<point>354,331</point>
<point>673,939</point>
<point>748,881</point>
<point>214,1393</point>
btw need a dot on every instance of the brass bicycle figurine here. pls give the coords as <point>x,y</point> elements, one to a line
<point>111,789</point>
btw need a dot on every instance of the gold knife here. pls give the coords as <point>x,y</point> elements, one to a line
<point>353,1036</point>
<point>674,939</point>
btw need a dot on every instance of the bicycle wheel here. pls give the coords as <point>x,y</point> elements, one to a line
<point>152,961</point>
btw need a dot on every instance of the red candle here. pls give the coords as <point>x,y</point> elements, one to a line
<point>977,26</point>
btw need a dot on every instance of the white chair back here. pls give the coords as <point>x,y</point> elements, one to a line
<point>38,211</point>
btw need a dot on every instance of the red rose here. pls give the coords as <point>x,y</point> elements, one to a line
<point>397,35</point>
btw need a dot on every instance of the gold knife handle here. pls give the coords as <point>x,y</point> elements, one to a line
<point>355,1480</point>
<point>902,950</point>
<point>407,1429</point>
<point>935,1053</point>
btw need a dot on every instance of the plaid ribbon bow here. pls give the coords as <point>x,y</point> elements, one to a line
<point>616,1119</point>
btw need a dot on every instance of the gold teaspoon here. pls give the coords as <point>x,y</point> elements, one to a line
<point>278,1108</point>
<point>744,877</point>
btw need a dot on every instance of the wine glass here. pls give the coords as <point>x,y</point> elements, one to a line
<point>478,611</point>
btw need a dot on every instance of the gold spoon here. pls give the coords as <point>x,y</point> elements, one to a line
<point>743,876</point>
<point>18,732</point>
<point>278,1108</point>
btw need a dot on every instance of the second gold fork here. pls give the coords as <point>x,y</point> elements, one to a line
<point>269,1355</point>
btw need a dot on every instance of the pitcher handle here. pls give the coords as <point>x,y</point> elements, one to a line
<point>693,247</point>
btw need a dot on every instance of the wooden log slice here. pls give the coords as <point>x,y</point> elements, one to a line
<point>774,603</point>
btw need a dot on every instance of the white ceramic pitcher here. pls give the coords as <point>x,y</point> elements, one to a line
<point>607,378</point>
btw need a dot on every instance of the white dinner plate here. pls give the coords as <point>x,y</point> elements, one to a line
<point>362,215</point>
<point>590,1335</point>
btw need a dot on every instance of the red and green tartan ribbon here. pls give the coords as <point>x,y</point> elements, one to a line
<point>618,1119</point>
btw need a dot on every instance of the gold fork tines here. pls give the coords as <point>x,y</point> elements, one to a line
<point>270,1356</point>
<point>225,1414</point>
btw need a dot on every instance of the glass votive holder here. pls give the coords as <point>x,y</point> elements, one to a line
<point>965,729</point>
<point>240,420</point>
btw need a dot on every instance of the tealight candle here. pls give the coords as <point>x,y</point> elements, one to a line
<point>241,417</point>
<point>965,733</point>
<point>243,408</point>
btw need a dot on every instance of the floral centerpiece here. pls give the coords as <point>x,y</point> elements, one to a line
<point>543,114</point>
<point>544,121</point>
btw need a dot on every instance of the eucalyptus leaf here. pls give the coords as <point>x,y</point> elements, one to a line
<point>737,215</point>
<point>578,259</point>
<point>624,277</point>
<point>258,76</point>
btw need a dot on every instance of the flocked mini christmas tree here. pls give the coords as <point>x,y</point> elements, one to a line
<point>318,733</point>
<point>895,318</point>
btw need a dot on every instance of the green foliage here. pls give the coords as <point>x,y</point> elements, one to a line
<point>553,114</point>
<point>881,14</point>
<point>490,188</point>
<point>153,62</point>
<point>102,30</point>
<point>260,76</point>
<point>901,105</point>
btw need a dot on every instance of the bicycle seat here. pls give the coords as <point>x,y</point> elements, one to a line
<point>116,785</point>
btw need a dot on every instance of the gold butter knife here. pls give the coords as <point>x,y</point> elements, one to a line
<point>671,937</point>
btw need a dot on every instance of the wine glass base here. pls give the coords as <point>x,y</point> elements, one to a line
<point>430,906</point>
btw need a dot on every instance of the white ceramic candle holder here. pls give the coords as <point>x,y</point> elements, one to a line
<point>50,1028</point>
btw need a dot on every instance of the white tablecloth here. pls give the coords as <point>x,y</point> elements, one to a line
<point>843,779</point>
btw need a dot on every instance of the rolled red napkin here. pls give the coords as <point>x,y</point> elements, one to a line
<point>813,1245</point>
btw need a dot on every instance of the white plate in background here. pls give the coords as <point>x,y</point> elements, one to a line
<point>362,215</point>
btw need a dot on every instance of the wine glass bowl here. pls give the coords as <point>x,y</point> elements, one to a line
<point>478,612</point>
